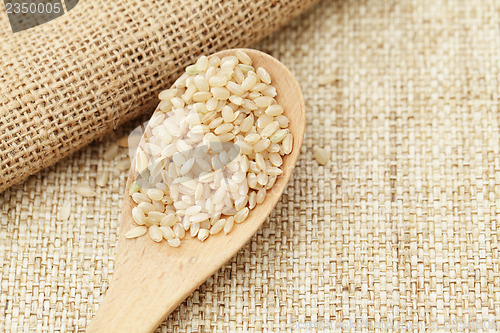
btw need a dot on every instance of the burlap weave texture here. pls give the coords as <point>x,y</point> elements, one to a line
<point>73,79</point>
<point>400,229</point>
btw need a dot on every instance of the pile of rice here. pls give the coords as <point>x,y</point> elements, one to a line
<point>215,147</point>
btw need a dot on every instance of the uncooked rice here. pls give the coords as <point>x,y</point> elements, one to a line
<point>216,145</point>
<point>136,232</point>
<point>65,211</point>
<point>102,179</point>
<point>321,155</point>
<point>84,190</point>
<point>123,164</point>
<point>111,152</point>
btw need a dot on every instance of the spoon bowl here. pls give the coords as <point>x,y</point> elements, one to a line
<point>151,279</point>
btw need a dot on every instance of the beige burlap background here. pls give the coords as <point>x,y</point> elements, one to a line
<point>73,79</point>
<point>400,229</point>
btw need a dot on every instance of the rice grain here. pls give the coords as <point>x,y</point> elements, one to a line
<point>155,233</point>
<point>111,152</point>
<point>264,75</point>
<point>123,165</point>
<point>136,232</point>
<point>65,211</point>
<point>84,190</point>
<point>321,156</point>
<point>241,215</point>
<point>203,234</point>
<point>167,233</point>
<point>228,225</point>
<point>102,178</point>
<point>287,143</point>
<point>138,216</point>
<point>176,242</point>
<point>243,57</point>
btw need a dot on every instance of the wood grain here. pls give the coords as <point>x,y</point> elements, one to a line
<point>150,279</point>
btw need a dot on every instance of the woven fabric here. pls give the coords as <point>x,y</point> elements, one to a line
<point>399,230</point>
<point>73,79</point>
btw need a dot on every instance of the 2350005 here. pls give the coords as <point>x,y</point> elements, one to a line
<point>33,8</point>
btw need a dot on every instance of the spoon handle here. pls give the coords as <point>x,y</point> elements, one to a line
<point>140,298</point>
<point>151,279</point>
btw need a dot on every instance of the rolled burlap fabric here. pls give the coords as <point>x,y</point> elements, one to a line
<point>73,79</point>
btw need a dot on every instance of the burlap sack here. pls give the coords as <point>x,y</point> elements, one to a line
<point>71,80</point>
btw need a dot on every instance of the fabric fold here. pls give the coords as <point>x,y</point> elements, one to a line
<point>70,81</point>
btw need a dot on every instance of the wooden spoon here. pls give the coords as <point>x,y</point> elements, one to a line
<point>151,279</point>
